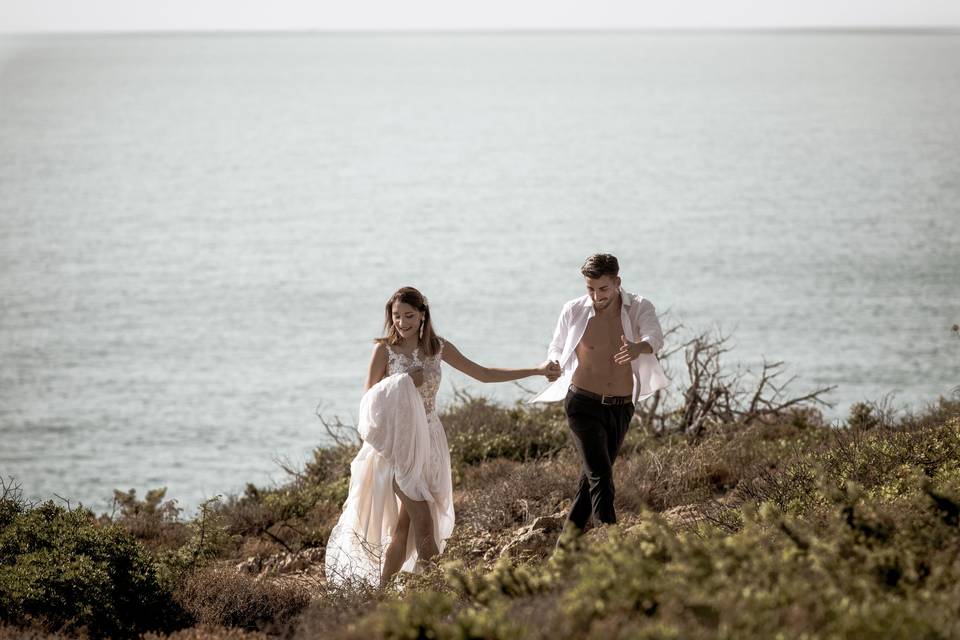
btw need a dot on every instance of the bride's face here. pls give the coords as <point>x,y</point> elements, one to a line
<point>406,319</point>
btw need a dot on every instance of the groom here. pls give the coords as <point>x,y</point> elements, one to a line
<point>603,351</point>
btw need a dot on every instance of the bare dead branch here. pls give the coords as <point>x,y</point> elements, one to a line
<point>342,435</point>
<point>12,490</point>
<point>289,469</point>
<point>277,539</point>
<point>67,502</point>
<point>527,391</point>
<point>462,395</point>
<point>714,394</point>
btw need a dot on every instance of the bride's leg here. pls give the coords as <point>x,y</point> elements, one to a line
<point>422,522</point>
<point>396,550</point>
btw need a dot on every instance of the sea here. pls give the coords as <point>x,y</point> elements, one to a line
<point>198,232</point>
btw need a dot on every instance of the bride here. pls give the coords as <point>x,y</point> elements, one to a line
<point>399,510</point>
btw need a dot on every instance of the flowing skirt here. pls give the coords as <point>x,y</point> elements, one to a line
<point>403,443</point>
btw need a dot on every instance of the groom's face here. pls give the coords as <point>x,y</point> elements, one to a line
<point>603,290</point>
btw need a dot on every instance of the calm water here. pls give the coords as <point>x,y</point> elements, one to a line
<point>197,233</point>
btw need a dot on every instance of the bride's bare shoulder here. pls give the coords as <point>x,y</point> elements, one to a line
<point>380,351</point>
<point>448,349</point>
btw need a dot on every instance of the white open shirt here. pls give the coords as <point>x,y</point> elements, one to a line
<point>640,324</point>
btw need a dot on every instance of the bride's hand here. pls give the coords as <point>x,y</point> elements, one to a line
<point>417,375</point>
<point>550,369</point>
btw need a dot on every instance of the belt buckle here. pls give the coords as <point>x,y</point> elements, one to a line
<point>603,399</point>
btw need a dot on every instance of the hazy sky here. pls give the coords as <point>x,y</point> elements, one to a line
<point>163,15</point>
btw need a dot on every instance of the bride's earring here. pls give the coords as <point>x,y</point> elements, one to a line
<point>421,328</point>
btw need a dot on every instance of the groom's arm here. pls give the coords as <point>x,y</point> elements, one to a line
<point>555,350</point>
<point>647,326</point>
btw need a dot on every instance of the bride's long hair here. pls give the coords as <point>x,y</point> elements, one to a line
<point>429,341</point>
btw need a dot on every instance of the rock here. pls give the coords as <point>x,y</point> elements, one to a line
<point>685,514</point>
<point>283,563</point>
<point>534,537</point>
<point>548,523</point>
<point>252,565</point>
<point>480,544</point>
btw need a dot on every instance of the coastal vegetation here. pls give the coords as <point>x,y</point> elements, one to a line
<point>743,513</point>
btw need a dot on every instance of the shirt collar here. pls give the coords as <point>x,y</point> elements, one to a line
<point>627,301</point>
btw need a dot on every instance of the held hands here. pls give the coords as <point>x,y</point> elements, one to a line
<point>630,350</point>
<point>417,375</point>
<point>550,369</point>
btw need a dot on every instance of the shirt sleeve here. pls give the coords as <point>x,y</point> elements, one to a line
<point>647,326</point>
<point>559,338</point>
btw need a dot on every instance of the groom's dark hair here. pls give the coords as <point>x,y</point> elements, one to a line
<point>599,265</point>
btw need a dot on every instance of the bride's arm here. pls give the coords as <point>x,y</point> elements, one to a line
<point>378,366</point>
<point>453,357</point>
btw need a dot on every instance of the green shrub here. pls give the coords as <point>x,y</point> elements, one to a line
<point>300,513</point>
<point>293,516</point>
<point>152,521</point>
<point>62,569</point>
<point>331,463</point>
<point>860,574</point>
<point>849,533</point>
<point>479,430</point>
<point>208,538</point>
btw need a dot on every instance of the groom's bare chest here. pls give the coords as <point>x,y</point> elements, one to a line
<point>601,336</point>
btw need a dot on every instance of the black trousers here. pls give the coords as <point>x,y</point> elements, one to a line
<point>598,431</point>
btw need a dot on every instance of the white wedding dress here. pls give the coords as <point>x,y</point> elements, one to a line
<point>403,440</point>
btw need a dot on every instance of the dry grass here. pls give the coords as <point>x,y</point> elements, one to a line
<point>221,596</point>
<point>335,610</point>
<point>502,494</point>
<point>210,632</point>
<point>9,632</point>
<point>661,472</point>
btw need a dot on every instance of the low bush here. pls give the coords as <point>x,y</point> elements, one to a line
<point>207,632</point>
<point>221,596</point>
<point>208,538</point>
<point>301,513</point>
<point>499,494</point>
<point>153,521</point>
<point>779,525</point>
<point>331,463</point>
<point>64,571</point>
<point>11,632</point>
<point>874,568</point>
<point>479,430</point>
<point>336,608</point>
<point>662,471</point>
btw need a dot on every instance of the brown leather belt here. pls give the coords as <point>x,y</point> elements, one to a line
<point>604,399</point>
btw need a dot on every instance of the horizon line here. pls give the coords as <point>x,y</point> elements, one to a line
<point>850,29</point>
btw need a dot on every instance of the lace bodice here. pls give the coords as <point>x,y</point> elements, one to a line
<point>401,363</point>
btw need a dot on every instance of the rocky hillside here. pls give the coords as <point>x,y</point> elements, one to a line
<point>776,524</point>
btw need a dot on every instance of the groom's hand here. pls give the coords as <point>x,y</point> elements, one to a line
<point>630,351</point>
<point>551,369</point>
